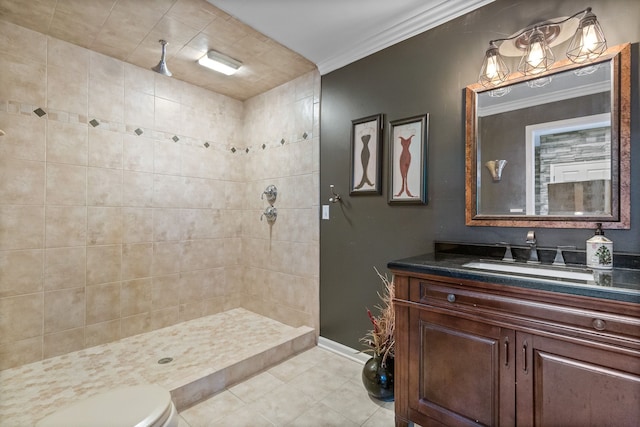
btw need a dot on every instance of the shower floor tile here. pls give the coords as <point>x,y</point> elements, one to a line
<point>208,354</point>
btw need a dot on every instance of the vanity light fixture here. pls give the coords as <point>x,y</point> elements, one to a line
<point>220,62</point>
<point>534,45</point>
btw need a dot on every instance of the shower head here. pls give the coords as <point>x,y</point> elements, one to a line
<point>162,65</point>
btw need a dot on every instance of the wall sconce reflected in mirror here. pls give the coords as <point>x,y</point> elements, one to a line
<point>533,44</point>
<point>495,168</point>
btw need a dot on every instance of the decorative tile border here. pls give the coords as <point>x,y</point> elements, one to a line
<point>15,107</point>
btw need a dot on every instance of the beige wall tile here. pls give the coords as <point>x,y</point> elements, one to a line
<point>20,353</point>
<point>105,148</point>
<point>25,136</point>
<point>137,224</point>
<point>166,158</point>
<point>204,193</point>
<point>65,268</point>
<point>196,161</point>
<point>167,225</point>
<point>66,226</point>
<point>102,333</point>
<point>136,260</point>
<point>167,116</point>
<point>191,310</point>
<point>106,101</point>
<point>134,325</point>
<point>104,187</point>
<point>166,258</point>
<point>168,88</point>
<point>104,225</point>
<point>67,55</point>
<point>214,283</point>
<point>67,143</point>
<point>165,291</point>
<point>139,108</point>
<point>103,302</point>
<point>168,191</point>
<point>135,297</point>
<point>202,223</point>
<point>64,309</point>
<point>67,89</point>
<point>21,181</point>
<point>20,272</point>
<point>165,317</point>
<point>138,79</point>
<point>105,68</point>
<point>21,317</point>
<point>21,227</point>
<point>23,80</point>
<point>137,189</point>
<point>202,253</point>
<point>138,153</point>
<point>22,42</point>
<point>63,342</point>
<point>103,264</point>
<point>66,184</point>
<point>192,285</point>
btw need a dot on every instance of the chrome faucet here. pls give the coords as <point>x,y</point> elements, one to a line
<point>508,256</point>
<point>559,259</point>
<point>533,251</point>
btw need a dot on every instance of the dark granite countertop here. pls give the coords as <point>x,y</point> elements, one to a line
<point>620,283</point>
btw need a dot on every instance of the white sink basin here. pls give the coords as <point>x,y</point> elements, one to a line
<point>531,270</point>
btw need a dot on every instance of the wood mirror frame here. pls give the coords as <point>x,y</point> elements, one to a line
<point>620,57</point>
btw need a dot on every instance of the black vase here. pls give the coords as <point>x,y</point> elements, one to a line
<point>378,378</point>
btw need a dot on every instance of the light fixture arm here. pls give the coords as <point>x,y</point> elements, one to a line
<point>541,24</point>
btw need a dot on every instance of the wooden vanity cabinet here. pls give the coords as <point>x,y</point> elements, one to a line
<point>472,353</point>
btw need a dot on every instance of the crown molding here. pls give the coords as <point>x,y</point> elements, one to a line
<point>400,31</point>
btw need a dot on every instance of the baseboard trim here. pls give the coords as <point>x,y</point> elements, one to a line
<point>343,350</point>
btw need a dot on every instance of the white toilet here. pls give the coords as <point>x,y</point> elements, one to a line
<point>139,406</point>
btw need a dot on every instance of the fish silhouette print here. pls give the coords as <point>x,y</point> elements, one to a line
<point>364,159</point>
<point>405,163</point>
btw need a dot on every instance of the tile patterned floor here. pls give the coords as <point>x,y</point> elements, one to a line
<point>208,354</point>
<point>316,388</point>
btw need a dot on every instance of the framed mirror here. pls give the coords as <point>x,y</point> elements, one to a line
<point>552,150</point>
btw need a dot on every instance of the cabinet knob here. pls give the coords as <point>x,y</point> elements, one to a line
<point>599,324</point>
<point>451,298</point>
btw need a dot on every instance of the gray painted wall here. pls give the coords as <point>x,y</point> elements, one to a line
<point>427,74</point>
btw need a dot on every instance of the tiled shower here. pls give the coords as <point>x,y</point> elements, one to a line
<point>130,201</point>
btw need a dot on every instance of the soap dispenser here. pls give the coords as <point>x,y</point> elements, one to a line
<point>599,250</point>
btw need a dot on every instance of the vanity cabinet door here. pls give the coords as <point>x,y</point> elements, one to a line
<point>566,384</point>
<point>462,372</point>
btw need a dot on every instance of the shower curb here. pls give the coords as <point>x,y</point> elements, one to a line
<point>194,390</point>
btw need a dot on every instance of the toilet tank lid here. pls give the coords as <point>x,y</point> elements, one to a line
<point>125,406</point>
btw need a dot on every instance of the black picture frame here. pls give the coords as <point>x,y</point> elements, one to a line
<point>408,155</point>
<point>366,155</point>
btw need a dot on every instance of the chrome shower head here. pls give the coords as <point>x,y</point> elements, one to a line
<point>162,65</point>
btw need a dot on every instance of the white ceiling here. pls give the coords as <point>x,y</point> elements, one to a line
<point>334,33</point>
